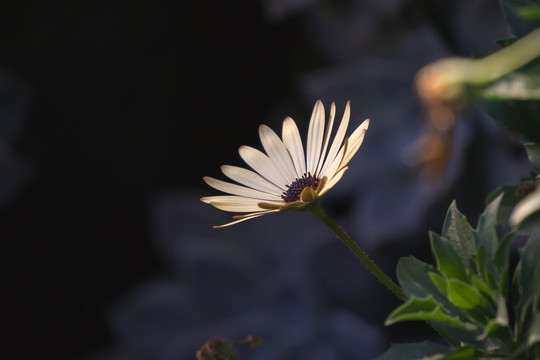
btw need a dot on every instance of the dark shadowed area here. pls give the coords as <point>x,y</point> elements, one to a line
<point>110,114</point>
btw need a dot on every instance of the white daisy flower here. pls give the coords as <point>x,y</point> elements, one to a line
<point>285,178</point>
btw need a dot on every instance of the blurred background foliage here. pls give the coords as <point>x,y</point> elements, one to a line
<point>112,112</point>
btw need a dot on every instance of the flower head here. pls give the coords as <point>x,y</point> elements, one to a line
<point>285,178</point>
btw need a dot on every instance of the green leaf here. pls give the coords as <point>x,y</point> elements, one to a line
<point>534,332</point>
<point>482,261</point>
<point>532,338</point>
<point>464,295</point>
<point>502,261</point>
<point>533,151</point>
<point>476,303</point>
<point>486,231</point>
<point>528,279</point>
<point>484,289</point>
<point>520,117</point>
<point>530,12</point>
<point>457,229</point>
<point>413,276</point>
<point>511,196</point>
<point>422,309</point>
<point>465,353</point>
<point>429,351</point>
<point>498,322</point>
<point>514,86</point>
<point>440,282</point>
<point>519,24</point>
<point>423,351</point>
<point>468,334</point>
<point>449,261</point>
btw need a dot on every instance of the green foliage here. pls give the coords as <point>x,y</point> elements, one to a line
<point>514,100</point>
<point>521,15</point>
<point>520,117</point>
<point>466,296</point>
<point>533,151</point>
<point>424,350</point>
<point>470,296</point>
<point>520,205</point>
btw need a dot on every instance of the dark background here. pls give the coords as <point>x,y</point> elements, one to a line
<point>116,101</point>
<point>122,99</point>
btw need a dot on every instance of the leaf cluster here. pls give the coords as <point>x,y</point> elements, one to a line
<point>468,296</point>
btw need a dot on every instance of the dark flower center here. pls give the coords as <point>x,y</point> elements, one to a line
<point>293,190</point>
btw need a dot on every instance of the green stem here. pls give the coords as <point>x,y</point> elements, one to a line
<point>449,79</point>
<point>375,270</point>
<point>368,263</point>
<point>502,62</point>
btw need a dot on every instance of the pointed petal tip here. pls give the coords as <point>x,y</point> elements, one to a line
<point>288,119</point>
<point>224,168</point>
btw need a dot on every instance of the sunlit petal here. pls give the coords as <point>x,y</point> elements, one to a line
<point>293,143</point>
<point>239,190</point>
<point>330,184</point>
<point>333,167</point>
<point>245,217</point>
<point>233,203</point>
<point>355,141</point>
<point>338,140</point>
<point>315,137</point>
<point>263,165</point>
<point>327,134</point>
<point>277,152</point>
<point>251,179</point>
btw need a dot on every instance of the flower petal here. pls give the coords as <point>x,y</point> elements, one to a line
<point>239,190</point>
<point>333,167</point>
<point>246,217</point>
<point>355,141</point>
<point>263,165</point>
<point>277,152</point>
<point>293,143</point>
<point>251,179</point>
<point>326,140</point>
<point>337,142</point>
<point>330,184</point>
<point>233,203</point>
<point>315,137</point>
